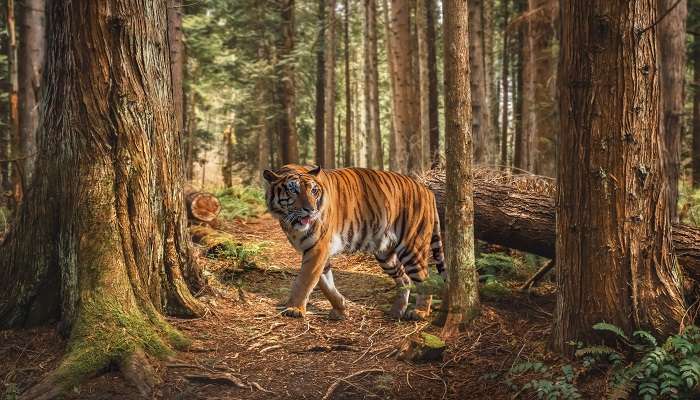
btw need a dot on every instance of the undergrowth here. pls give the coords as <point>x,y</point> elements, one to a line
<point>4,219</point>
<point>689,205</point>
<point>239,202</point>
<point>240,256</point>
<point>639,368</point>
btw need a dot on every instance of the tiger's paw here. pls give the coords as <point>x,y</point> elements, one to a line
<point>416,315</point>
<point>294,312</point>
<point>337,315</point>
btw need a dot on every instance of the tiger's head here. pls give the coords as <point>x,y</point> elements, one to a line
<point>294,195</point>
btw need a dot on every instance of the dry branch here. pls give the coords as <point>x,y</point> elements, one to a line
<point>518,211</point>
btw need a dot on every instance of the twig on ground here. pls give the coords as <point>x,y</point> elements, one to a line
<point>371,343</point>
<point>270,348</point>
<point>260,388</point>
<point>335,384</point>
<point>537,276</point>
<point>223,378</point>
<point>267,332</point>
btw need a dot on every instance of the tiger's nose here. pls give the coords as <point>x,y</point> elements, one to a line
<point>307,210</point>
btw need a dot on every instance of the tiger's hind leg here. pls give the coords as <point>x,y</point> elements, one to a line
<point>392,267</point>
<point>416,267</point>
<point>332,294</point>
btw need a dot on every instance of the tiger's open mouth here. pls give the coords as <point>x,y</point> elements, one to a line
<point>304,222</point>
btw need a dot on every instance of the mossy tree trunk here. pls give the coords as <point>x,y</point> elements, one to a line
<point>100,242</point>
<point>614,255</point>
<point>463,294</point>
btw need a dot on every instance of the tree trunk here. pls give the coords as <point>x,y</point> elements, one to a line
<point>329,118</point>
<point>463,294</point>
<point>481,112</point>
<point>319,127</point>
<point>423,81</point>
<point>289,151</point>
<point>395,161</point>
<point>407,139</point>
<point>492,84</point>
<point>101,240</point>
<point>177,60</point>
<point>504,85</point>
<point>524,146</point>
<point>695,54</point>
<point>201,206</point>
<point>229,142</point>
<point>347,158</point>
<point>542,17</point>
<point>191,129</point>
<point>375,152</point>
<point>614,253</point>
<point>522,216</point>
<point>16,175</point>
<point>433,103</point>
<point>672,48</point>
<point>32,46</point>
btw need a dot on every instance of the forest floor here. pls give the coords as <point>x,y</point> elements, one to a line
<point>273,356</point>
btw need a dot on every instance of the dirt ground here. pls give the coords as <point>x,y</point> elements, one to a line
<point>246,342</point>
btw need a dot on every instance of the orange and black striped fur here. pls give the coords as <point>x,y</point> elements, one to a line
<point>326,212</point>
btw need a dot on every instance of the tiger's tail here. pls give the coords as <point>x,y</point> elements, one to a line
<point>436,248</point>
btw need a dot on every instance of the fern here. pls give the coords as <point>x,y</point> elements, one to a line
<point>606,327</point>
<point>595,351</point>
<point>645,337</point>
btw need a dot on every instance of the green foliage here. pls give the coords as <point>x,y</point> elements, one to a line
<point>241,202</point>
<point>495,264</point>
<point>493,289</point>
<point>689,204</point>
<point>647,370</point>
<point>546,382</point>
<point>242,255</point>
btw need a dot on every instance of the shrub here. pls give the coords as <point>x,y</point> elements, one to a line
<point>241,202</point>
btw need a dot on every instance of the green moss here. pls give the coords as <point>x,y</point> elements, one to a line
<point>493,289</point>
<point>106,333</point>
<point>432,341</point>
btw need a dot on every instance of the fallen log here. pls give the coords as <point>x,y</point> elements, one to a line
<point>201,206</point>
<point>519,212</point>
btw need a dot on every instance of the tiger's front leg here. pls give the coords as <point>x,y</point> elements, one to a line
<point>312,265</point>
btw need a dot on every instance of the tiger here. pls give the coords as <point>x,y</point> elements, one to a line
<point>325,212</point>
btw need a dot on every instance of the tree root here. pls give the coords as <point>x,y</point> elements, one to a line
<point>104,336</point>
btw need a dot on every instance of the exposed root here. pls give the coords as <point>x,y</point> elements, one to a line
<point>105,335</point>
<point>139,371</point>
<point>335,384</point>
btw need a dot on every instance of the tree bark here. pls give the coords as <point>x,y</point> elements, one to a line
<point>525,219</point>
<point>481,112</point>
<point>347,157</point>
<point>375,152</point>
<point>288,140</point>
<point>229,142</point>
<point>191,129</point>
<point>524,146</point>
<point>614,253</point>
<point>395,161</point>
<point>433,103</point>
<point>504,85</point>
<point>463,294</point>
<point>542,16</point>
<point>672,47</point>
<point>16,175</point>
<point>406,128</point>
<point>100,241</point>
<point>32,46</point>
<point>423,81</point>
<point>695,54</point>
<point>177,60</point>
<point>329,118</point>
<point>319,127</point>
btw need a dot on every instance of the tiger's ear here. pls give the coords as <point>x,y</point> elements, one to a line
<point>271,176</point>
<point>315,170</point>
